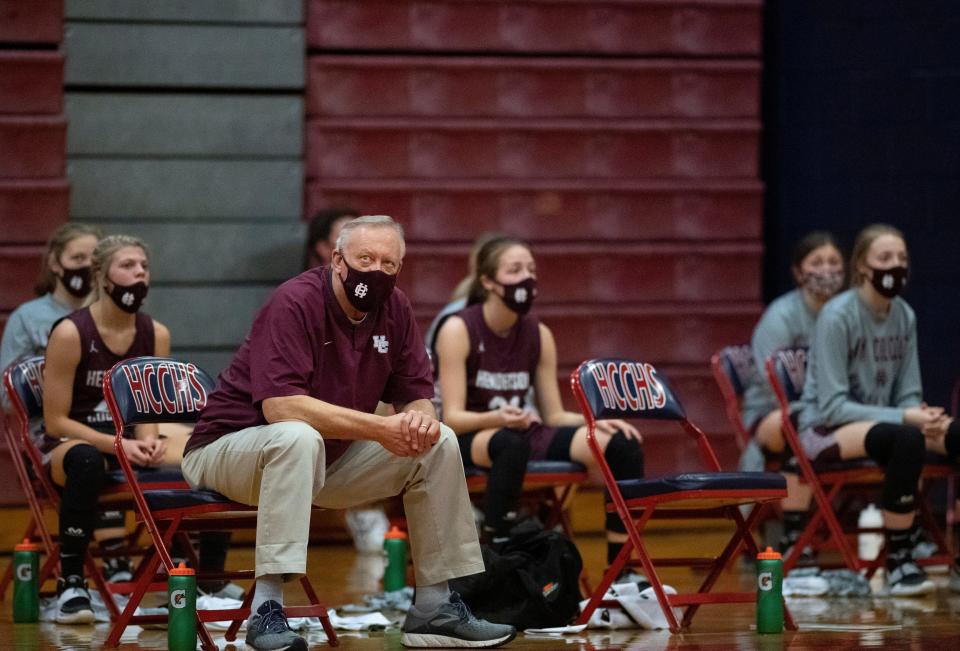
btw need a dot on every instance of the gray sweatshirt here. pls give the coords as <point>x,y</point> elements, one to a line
<point>861,366</point>
<point>787,323</point>
<point>28,330</point>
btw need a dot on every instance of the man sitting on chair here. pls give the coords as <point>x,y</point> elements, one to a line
<point>291,424</point>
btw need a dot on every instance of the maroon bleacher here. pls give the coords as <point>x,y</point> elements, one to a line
<point>652,27</point>
<point>635,176</point>
<point>33,184</point>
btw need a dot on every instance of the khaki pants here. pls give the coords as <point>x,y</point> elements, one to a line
<point>281,469</point>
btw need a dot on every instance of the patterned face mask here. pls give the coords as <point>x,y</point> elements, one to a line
<point>889,282</point>
<point>367,290</point>
<point>128,298</point>
<point>519,296</point>
<point>823,284</point>
<point>77,281</point>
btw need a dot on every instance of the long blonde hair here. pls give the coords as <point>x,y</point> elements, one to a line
<point>861,246</point>
<point>59,239</point>
<point>103,256</point>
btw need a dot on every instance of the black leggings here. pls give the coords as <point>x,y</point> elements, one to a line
<point>900,449</point>
<point>85,469</point>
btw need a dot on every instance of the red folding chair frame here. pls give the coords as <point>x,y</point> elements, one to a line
<point>164,524</point>
<point>731,399</point>
<point>827,487</point>
<point>688,504</point>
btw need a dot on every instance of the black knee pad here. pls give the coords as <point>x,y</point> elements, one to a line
<point>900,449</point>
<point>509,452</point>
<point>510,442</point>
<point>85,471</point>
<point>624,456</point>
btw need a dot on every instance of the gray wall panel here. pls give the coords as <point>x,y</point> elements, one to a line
<point>184,124</point>
<point>206,317</point>
<point>105,188</point>
<point>189,11</point>
<point>219,252</point>
<point>184,55</point>
<point>212,361</point>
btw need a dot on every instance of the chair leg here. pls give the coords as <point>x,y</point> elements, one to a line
<point>150,562</point>
<point>234,627</point>
<point>605,582</point>
<point>324,618</point>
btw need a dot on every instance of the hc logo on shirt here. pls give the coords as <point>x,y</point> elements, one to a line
<point>380,343</point>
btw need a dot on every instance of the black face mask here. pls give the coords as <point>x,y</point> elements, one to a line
<point>76,281</point>
<point>889,282</point>
<point>128,298</point>
<point>367,290</point>
<point>519,296</point>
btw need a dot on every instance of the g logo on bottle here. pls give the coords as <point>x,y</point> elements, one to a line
<point>765,581</point>
<point>24,573</point>
<point>178,599</point>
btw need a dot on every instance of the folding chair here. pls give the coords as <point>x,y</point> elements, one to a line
<point>620,388</point>
<point>733,369</point>
<point>548,487</point>
<point>831,482</point>
<point>162,390</point>
<point>24,383</point>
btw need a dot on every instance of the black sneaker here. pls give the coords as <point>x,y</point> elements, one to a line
<point>268,630</point>
<point>73,601</point>
<point>117,570</point>
<point>452,625</point>
<point>905,578</point>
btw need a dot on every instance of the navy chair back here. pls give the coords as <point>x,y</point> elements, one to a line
<point>156,390</point>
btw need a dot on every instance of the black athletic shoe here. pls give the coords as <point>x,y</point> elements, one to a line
<point>73,601</point>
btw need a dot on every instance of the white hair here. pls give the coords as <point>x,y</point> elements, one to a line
<point>375,221</point>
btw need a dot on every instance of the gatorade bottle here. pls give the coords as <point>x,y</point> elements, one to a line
<point>182,608</point>
<point>26,586</point>
<point>395,549</point>
<point>769,592</point>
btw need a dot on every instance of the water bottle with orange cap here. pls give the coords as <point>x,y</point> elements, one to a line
<point>26,582</point>
<point>769,592</point>
<point>395,549</point>
<point>182,609</point>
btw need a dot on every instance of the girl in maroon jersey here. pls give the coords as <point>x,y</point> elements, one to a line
<point>489,355</point>
<point>79,442</point>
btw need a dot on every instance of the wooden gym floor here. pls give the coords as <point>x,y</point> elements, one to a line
<point>344,576</point>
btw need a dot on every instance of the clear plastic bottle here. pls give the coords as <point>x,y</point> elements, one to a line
<point>869,544</point>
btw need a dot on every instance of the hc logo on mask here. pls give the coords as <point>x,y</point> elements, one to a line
<point>380,343</point>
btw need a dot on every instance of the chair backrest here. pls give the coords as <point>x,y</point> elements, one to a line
<point>156,390</point>
<point>620,388</point>
<point>738,367</point>
<point>789,368</point>
<point>24,383</point>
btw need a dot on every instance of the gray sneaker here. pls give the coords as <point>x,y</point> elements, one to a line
<point>268,630</point>
<point>453,625</point>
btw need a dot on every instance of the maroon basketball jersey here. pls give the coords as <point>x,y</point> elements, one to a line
<point>500,370</point>
<point>88,406</point>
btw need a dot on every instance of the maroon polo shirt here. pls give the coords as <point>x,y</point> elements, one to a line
<point>302,343</point>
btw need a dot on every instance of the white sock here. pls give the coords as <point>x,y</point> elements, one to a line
<point>430,597</point>
<point>269,588</point>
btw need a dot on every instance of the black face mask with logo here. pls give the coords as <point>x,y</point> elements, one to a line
<point>128,298</point>
<point>889,282</point>
<point>519,296</point>
<point>76,281</point>
<point>367,290</point>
